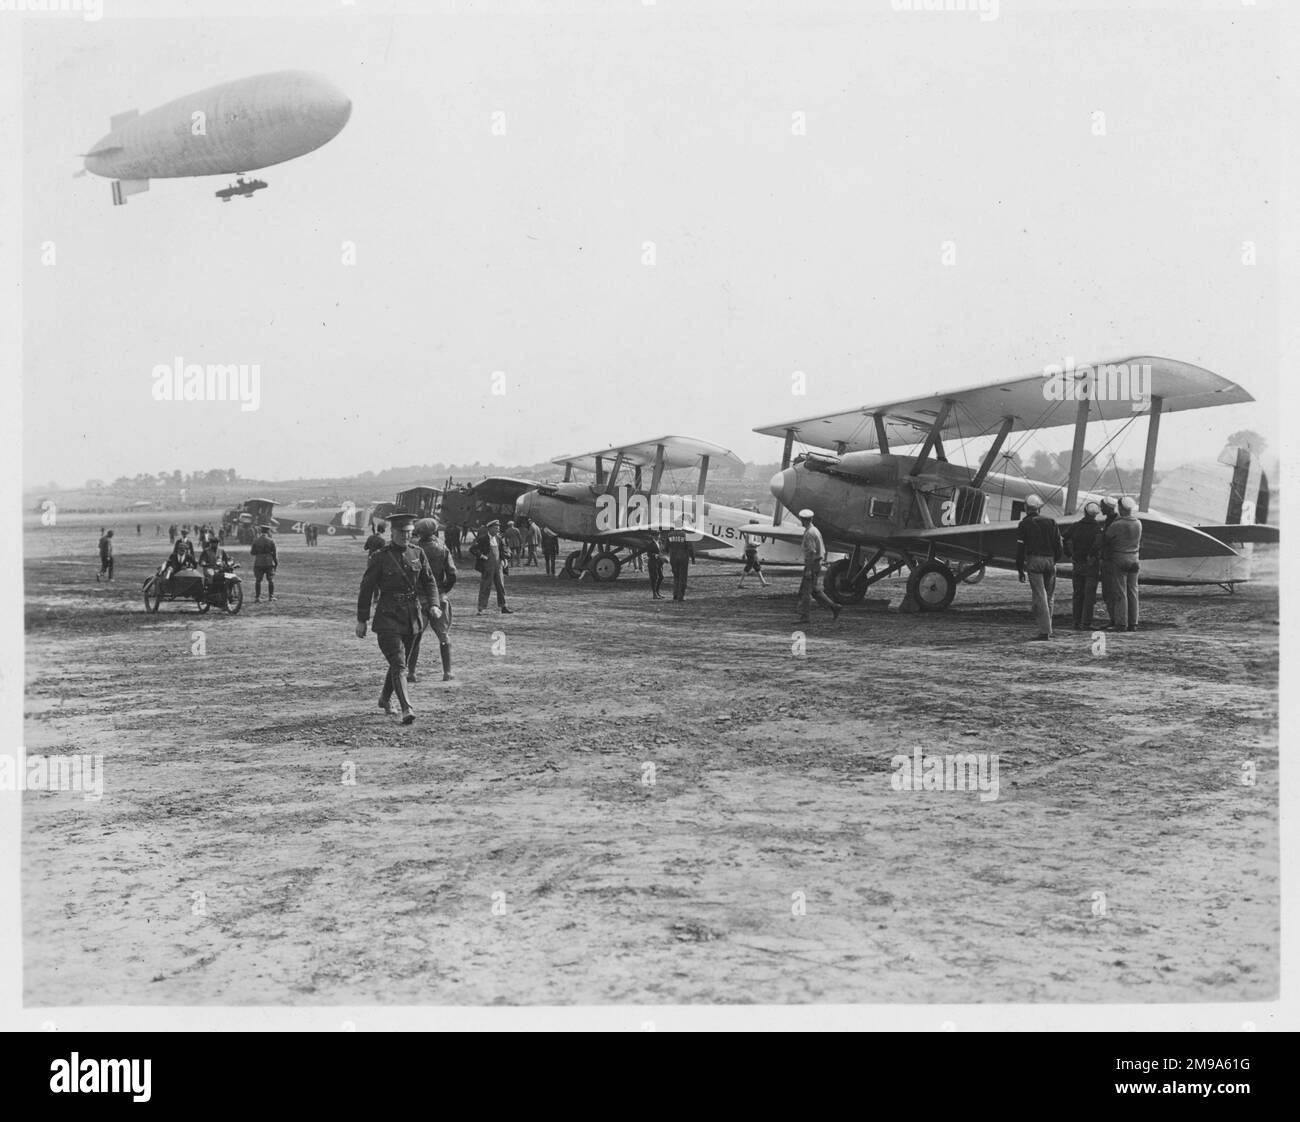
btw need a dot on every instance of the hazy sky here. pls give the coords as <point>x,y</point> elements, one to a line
<point>670,123</point>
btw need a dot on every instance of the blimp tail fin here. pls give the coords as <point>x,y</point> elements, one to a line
<point>125,187</point>
<point>119,119</point>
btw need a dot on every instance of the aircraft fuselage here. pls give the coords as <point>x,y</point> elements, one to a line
<point>871,499</point>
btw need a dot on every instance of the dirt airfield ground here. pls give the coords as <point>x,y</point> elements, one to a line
<point>508,849</point>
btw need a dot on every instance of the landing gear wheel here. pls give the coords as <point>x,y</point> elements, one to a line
<point>570,569</point>
<point>202,604</point>
<point>974,576</point>
<point>836,584</point>
<point>152,595</point>
<point>932,585</point>
<point>234,598</point>
<point>606,567</point>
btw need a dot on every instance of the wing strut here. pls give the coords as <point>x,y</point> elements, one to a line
<point>992,453</point>
<point>568,473</point>
<point>657,475</point>
<point>1149,463</point>
<point>1076,456</point>
<point>613,472</point>
<point>787,452</point>
<point>704,474</point>
<point>882,437</point>
<point>932,438</point>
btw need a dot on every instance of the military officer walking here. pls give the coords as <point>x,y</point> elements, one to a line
<point>400,576</point>
<point>443,569</point>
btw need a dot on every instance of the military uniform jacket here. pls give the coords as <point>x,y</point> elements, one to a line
<point>404,583</point>
<point>440,562</point>
<point>264,554</point>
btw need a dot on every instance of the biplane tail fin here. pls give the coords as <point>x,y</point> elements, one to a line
<point>1230,499</point>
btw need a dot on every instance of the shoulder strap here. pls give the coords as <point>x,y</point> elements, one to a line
<point>406,577</point>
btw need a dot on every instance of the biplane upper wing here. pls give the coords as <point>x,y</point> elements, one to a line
<point>981,409</point>
<point>500,488</point>
<point>678,452</point>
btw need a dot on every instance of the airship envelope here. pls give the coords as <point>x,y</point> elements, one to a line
<point>232,128</point>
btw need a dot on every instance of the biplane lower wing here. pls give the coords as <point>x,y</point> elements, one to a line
<point>767,529</point>
<point>995,542</point>
<point>638,537</point>
<point>1244,534</point>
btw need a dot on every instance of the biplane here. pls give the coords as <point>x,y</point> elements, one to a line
<point>349,521</point>
<point>614,514</point>
<point>946,523</point>
<point>470,506</point>
<point>241,522</point>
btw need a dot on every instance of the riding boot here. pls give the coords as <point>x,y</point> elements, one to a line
<point>399,687</point>
<point>445,651</point>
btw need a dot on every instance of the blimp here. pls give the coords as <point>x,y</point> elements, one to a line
<point>230,129</point>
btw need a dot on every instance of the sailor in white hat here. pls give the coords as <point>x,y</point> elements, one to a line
<point>1038,549</point>
<point>814,554</point>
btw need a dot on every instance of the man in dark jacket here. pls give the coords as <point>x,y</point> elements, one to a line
<point>443,569</point>
<point>105,556</point>
<point>550,550</point>
<point>400,576</point>
<point>265,563</point>
<point>1038,549</point>
<point>1109,512</point>
<point>212,560</point>
<point>654,556</point>
<point>681,555</point>
<point>490,558</point>
<point>1084,536</point>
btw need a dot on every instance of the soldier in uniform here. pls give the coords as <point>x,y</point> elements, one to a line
<point>443,569</point>
<point>401,577</point>
<point>265,562</point>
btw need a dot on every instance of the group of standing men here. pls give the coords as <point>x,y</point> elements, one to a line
<point>1103,547</point>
